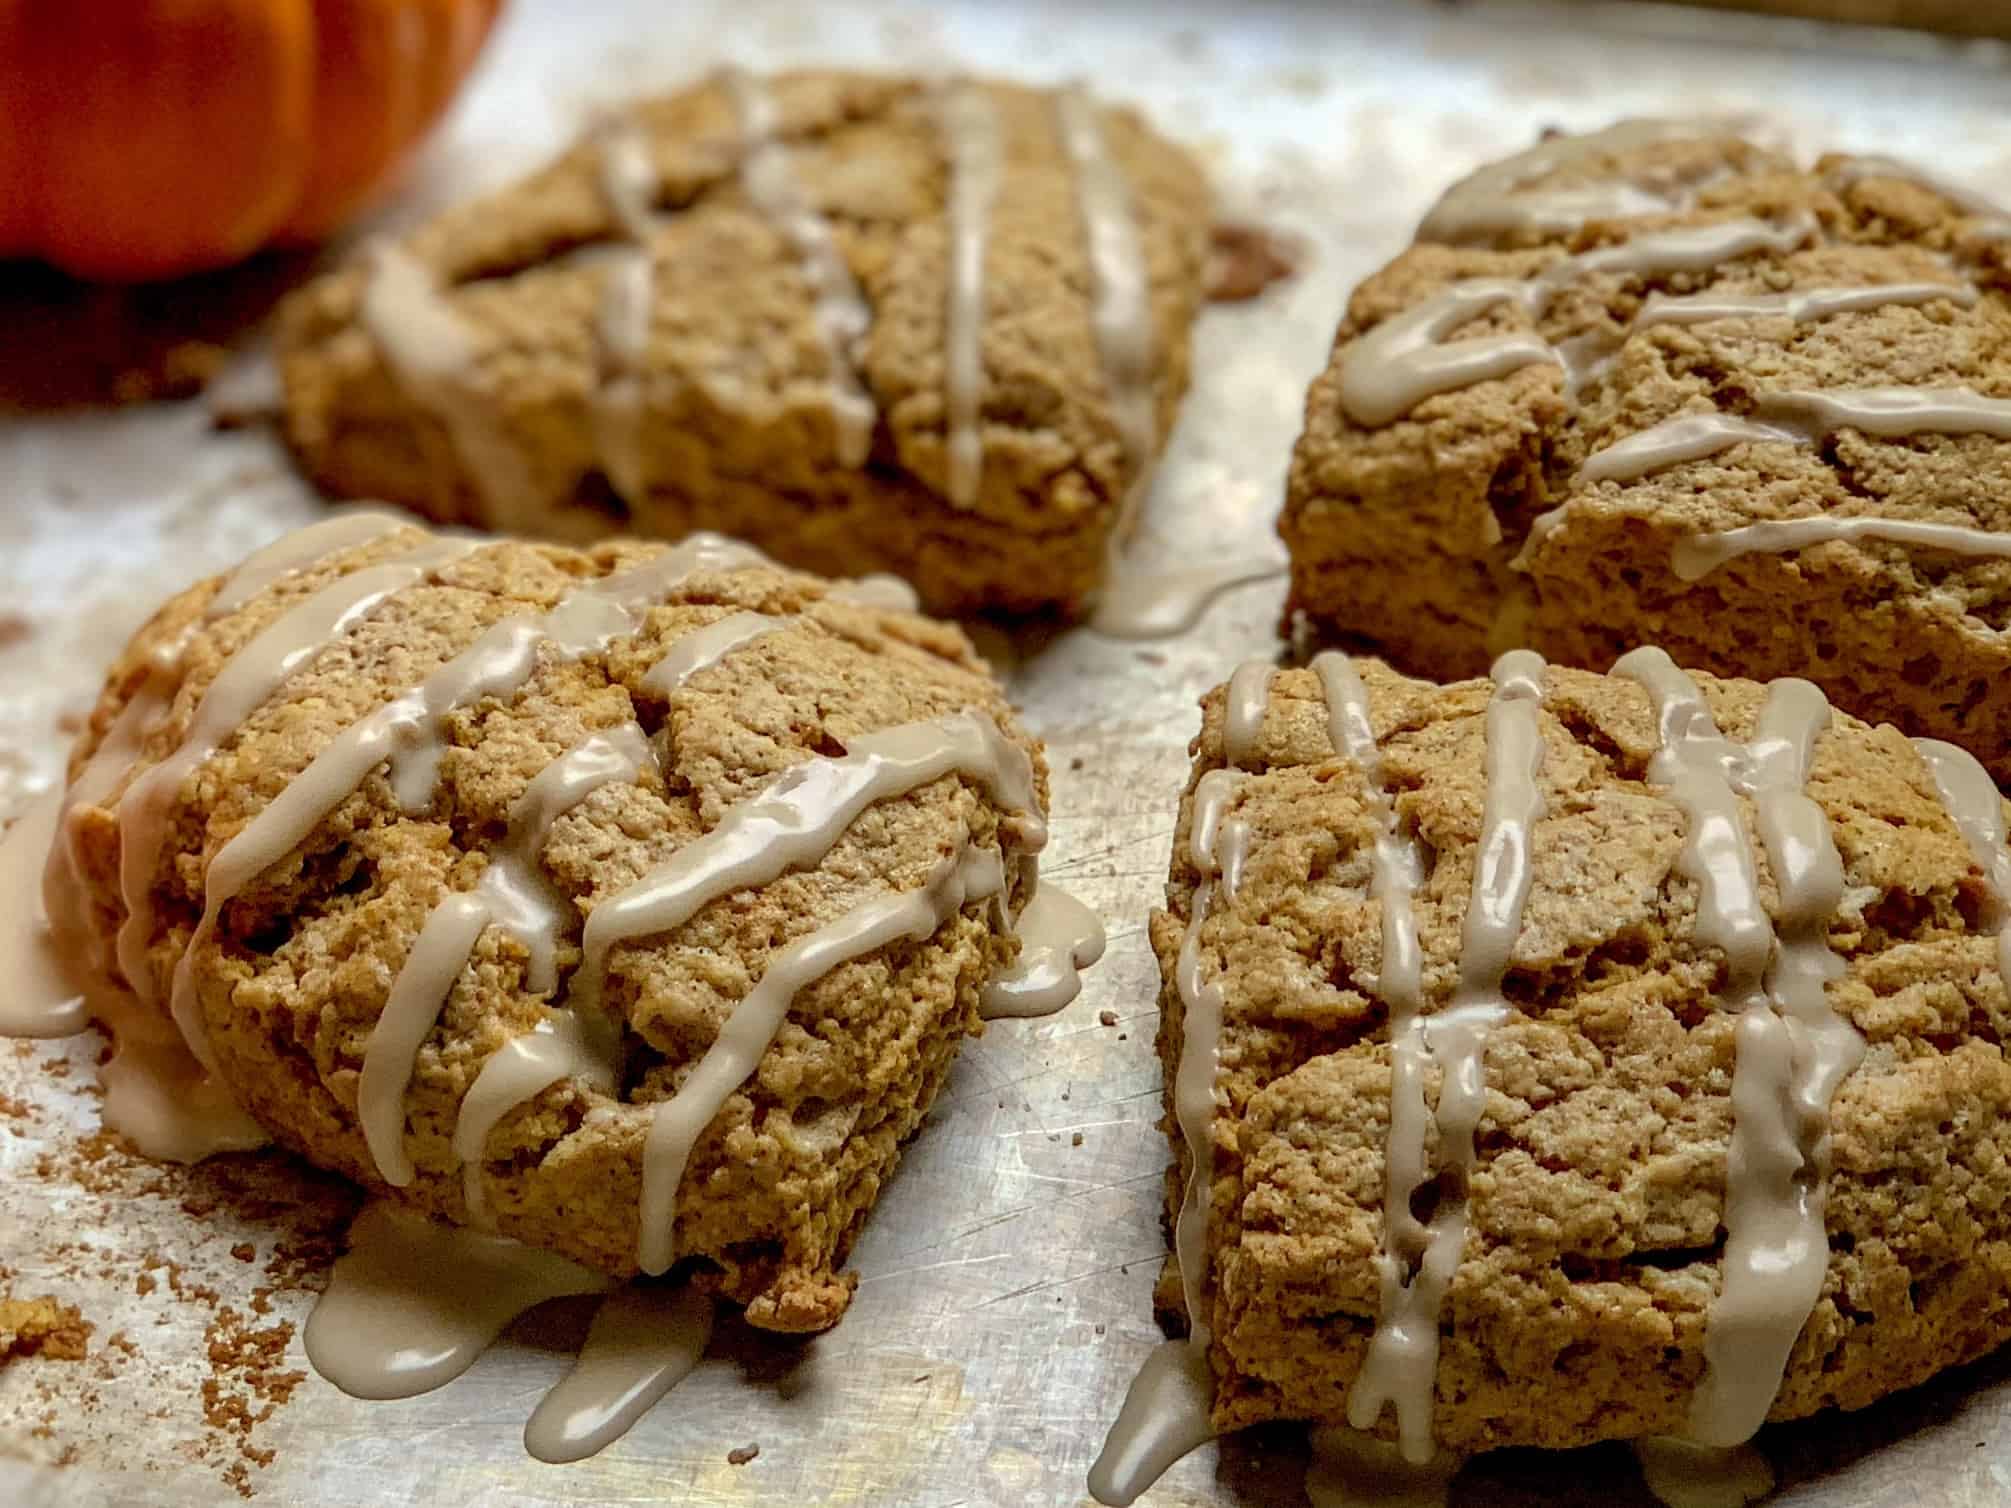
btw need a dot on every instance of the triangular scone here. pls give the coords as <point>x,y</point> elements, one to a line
<point>867,323</point>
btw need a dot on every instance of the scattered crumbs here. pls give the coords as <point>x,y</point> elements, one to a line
<point>14,627</point>
<point>244,1251</point>
<point>740,1455</point>
<point>17,1110</point>
<point>922,1377</point>
<point>1150,656</point>
<point>1107,1018</point>
<point>144,1284</point>
<point>1064,1094</point>
<point>1099,1330</point>
<point>1244,260</point>
<point>1076,762</point>
<point>1075,1140</point>
<point>71,720</point>
<point>1054,1136</point>
<point>42,1327</point>
<point>1124,1036</point>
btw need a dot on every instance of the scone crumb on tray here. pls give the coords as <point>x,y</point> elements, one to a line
<point>740,1455</point>
<point>44,1327</point>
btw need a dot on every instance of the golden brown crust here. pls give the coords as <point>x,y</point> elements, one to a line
<point>304,959</point>
<point>1403,535</point>
<point>739,435</point>
<point>1578,1311</point>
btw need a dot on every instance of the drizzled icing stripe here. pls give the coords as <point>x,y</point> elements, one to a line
<point>1401,1366</point>
<point>1495,199</point>
<point>1793,1050</point>
<point>627,180</point>
<point>792,824</point>
<point>243,685</point>
<point>1972,799</point>
<point>1123,308</point>
<point>1695,557</point>
<point>1795,417</point>
<point>1804,307</point>
<point>407,732</point>
<point>971,134</point>
<point>768,176</point>
<point>433,354</point>
<point>1397,364</point>
<point>676,1124</point>
<point>1166,1410</point>
<point>512,894</point>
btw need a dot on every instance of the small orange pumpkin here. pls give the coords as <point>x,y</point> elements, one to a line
<point>150,138</point>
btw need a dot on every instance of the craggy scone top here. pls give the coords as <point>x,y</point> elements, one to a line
<point>1593,876</point>
<point>1577,411</point>
<point>454,860</point>
<point>951,319</point>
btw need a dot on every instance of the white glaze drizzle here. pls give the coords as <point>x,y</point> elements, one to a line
<point>1496,198</point>
<point>1166,1410</point>
<point>512,894</point>
<point>627,180</point>
<point>769,179</point>
<point>969,122</point>
<point>245,682</point>
<point>1160,604</point>
<point>1403,360</point>
<point>1243,708</point>
<point>44,998</point>
<point>644,1340</point>
<point>433,354</point>
<point>408,731</point>
<point>1802,307</point>
<point>390,1327</point>
<point>1122,312</point>
<point>1400,1369</point>
<point>1687,437</point>
<point>1795,416</point>
<point>1683,1474</point>
<point>1059,938</point>
<point>705,647</point>
<point>795,822</point>
<point>1972,799</point>
<point>1792,1049</point>
<point>1698,555</point>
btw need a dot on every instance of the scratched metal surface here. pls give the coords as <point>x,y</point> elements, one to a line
<point>1003,1300</point>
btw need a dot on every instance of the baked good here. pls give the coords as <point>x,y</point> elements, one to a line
<point>1658,385</point>
<point>866,323</point>
<point>629,902</point>
<point>1572,918</point>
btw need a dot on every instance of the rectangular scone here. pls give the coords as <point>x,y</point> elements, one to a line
<point>1657,384</point>
<point>1689,995</point>
<point>865,323</point>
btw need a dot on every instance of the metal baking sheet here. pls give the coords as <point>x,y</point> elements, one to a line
<point>1005,1278</point>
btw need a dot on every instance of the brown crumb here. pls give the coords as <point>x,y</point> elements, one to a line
<point>1245,260</point>
<point>244,1251</point>
<point>1075,1140</point>
<point>14,627</point>
<point>42,1327</point>
<point>1107,1018</point>
<point>740,1455</point>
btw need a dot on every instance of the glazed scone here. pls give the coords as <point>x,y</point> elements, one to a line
<point>866,323</point>
<point>1604,943</point>
<point>478,870</point>
<point>1573,414</point>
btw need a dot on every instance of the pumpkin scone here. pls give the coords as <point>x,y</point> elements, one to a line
<point>865,323</point>
<point>1657,384</point>
<point>1563,1057</point>
<point>630,902</point>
